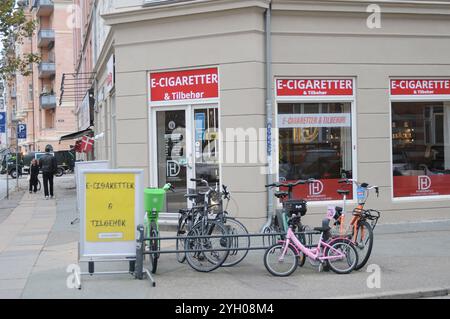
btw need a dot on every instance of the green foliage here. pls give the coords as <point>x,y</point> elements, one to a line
<point>15,27</point>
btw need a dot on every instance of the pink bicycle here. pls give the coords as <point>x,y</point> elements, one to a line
<point>282,258</point>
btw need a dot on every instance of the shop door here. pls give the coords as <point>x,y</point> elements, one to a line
<point>173,166</point>
<point>206,144</point>
<point>187,147</point>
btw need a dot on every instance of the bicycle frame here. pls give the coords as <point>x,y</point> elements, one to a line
<point>313,253</point>
<point>357,212</point>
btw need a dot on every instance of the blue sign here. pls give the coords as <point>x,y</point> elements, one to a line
<point>2,122</point>
<point>361,193</point>
<point>21,131</point>
<point>199,126</point>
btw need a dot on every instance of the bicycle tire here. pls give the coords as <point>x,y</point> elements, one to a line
<point>180,243</point>
<point>351,261</point>
<point>154,246</point>
<point>276,250</point>
<point>235,227</point>
<point>210,260</point>
<point>363,256</point>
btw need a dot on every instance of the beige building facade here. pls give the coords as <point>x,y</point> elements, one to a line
<point>352,93</point>
<point>36,98</point>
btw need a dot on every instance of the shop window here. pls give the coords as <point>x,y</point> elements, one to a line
<point>315,141</point>
<point>420,148</point>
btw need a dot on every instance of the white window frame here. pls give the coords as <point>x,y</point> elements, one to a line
<point>410,98</point>
<point>320,99</point>
<point>189,106</point>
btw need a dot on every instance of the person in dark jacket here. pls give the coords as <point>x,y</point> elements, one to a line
<point>34,175</point>
<point>48,165</point>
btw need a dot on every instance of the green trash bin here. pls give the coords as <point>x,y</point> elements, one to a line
<point>154,199</point>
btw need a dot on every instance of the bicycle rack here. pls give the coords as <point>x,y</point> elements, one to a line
<point>140,247</point>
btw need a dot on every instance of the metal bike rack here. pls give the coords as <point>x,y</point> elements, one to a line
<point>140,249</point>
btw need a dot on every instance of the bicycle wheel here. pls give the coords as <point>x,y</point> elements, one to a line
<point>180,244</point>
<point>279,265</point>
<point>363,242</point>
<point>235,227</point>
<point>206,261</point>
<point>346,264</point>
<point>154,246</point>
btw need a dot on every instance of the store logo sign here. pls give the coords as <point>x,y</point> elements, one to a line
<point>423,183</point>
<point>315,188</point>
<point>420,87</point>
<point>314,87</point>
<point>196,84</point>
<point>173,168</point>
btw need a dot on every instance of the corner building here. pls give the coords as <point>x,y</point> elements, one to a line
<point>348,100</point>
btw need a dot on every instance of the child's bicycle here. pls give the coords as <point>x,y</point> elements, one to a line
<point>362,224</point>
<point>282,258</point>
<point>154,199</point>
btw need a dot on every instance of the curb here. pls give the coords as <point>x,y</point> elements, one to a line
<point>404,294</point>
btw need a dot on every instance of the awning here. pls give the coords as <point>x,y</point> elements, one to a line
<point>75,135</point>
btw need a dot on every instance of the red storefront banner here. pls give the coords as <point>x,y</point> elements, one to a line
<point>314,87</point>
<point>320,190</point>
<point>406,186</point>
<point>420,87</point>
<point>195,84</point>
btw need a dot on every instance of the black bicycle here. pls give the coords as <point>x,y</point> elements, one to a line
<point>205,247</point>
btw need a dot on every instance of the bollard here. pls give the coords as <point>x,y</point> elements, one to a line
<point>139,265</point>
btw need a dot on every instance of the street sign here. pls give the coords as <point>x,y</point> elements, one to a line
<point>2,122</point>
<point>21,131</point>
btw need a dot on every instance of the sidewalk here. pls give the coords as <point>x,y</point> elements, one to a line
<point>26,221</point>
<point>38,243</point>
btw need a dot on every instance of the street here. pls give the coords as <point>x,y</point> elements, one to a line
<point>12,184</point>
<point>38,244</point>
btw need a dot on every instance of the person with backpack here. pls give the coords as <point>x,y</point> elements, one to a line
<point>48,165</point>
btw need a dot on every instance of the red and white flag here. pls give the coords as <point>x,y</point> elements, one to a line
<point>87,144</point>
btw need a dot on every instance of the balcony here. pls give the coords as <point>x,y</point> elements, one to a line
<point>48,101</point>
<point>47,70</point>
<point>44,7</point>
<point>46,38</point>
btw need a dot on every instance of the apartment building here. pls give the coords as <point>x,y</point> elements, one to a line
<point>36,98</point>
<point>322,89</point>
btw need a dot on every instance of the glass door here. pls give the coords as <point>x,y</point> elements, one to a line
<point>187,146</point>
<point>206,144</point>
<point>171,136</point>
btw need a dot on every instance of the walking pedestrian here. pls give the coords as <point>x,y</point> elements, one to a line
<point>34,175</point>
<point>49,166</point>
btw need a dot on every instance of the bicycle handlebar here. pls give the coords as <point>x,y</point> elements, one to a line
<point>299,182</point>
<point>364,185</point>
<point>200,180</point>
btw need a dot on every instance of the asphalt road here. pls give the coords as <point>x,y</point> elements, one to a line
<point>12,184</point>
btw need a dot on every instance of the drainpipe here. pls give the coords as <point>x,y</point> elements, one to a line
<point>269,112</point>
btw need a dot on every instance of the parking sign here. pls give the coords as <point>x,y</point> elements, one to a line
<point>21,131</point>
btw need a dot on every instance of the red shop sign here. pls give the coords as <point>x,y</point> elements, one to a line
<point>195,84</point>
<point>320,190</point>
<point>420,87</point>
<point>406,186</point>
<point>314,87</point>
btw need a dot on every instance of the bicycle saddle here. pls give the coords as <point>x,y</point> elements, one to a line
<point>343,192</point>
<point>322,229</point>
<point>325,226</point>
<point>281,194</point>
